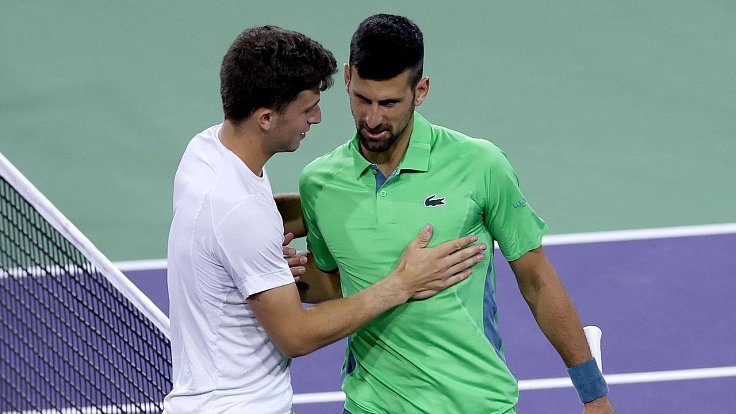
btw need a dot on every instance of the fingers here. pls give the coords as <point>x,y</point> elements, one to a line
<point>457,266</point>
<point>466,263</point>
<point>458,277</point>
<point>455,244</point>
<point>296,264</point>
<point>425,235</point>
<point>444,284</point>
<point>467,252</point>
<point>295,261</point>
<point>288,251</point>
<point>464,258</point>
<point>288,237</point>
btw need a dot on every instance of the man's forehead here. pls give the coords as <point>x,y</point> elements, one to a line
<point>307,97</point>
<point>392,88</point>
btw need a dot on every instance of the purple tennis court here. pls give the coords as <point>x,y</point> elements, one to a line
<point>663,299</point>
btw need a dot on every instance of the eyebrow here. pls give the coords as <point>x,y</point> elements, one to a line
<point>381,102</point>
<point>314,104</point>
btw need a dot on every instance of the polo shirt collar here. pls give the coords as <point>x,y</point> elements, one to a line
<point>416,157</point>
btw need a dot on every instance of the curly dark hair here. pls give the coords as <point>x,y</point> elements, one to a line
<point>385,45</point>
<point>267,67</point>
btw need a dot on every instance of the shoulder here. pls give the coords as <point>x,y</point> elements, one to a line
<point>458,145</point>
<point>203,154</point>
<point>327,165</point>
<point>205,141</point>
<point>330,160</point>
<point>235,191</point>
<point>199,168</point>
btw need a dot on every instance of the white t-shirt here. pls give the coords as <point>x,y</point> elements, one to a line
<point>224,245</point>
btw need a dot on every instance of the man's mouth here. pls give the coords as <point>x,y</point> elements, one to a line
<point>375,134</point>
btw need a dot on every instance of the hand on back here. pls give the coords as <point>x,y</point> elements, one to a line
<point>296,260</point>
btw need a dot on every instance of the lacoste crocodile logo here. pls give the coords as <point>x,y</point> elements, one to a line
<point>432,201</point>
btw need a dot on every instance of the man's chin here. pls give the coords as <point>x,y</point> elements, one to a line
<point>376,145</point>
<point>292,148</point>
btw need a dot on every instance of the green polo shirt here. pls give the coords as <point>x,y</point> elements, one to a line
<point>443,354</point>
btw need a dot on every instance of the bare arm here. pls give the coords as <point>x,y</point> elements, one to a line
<point>316,285</point>
<point>421,273</point>
<point>552,308</point>
<point>555,313</point>
<point>290,208</point>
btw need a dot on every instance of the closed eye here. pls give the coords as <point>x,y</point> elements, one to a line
<point>311,108</point>
<point>384,102</point>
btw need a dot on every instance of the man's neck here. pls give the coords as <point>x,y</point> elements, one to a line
<point>246,144</point>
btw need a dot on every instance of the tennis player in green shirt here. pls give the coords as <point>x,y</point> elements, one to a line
<point>362,204</point>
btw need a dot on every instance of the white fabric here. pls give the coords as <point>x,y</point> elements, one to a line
<point>224,245</point>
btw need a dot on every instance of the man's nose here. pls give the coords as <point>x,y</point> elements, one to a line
<point>317,117</point>
<point>373,117</point>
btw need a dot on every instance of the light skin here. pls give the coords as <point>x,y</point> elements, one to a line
<point>267,131</point>
<point>383,111</point>
<point>420,273</point>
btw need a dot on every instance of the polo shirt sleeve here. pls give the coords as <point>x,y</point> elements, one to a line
<point>249,239</point>
<point>323,259</point>
<point>509,218</point>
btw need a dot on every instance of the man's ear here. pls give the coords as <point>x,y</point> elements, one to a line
<point>346,76</point>
<point>264,118</point>
<point>421,91</point>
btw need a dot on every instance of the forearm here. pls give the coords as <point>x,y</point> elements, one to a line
<point>334,319</point>
<point>290,208</point>
<point>330,321</point>
<point>557,318</point>
<point>316,286</point>
<point>551,306</point>
<point>559,321</point>
<point>420,273</point>
<point>297,331</point>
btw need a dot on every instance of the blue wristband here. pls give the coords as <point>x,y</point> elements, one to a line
<point>588,381</point>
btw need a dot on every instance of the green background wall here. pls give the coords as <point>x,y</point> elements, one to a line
<point>616,114</point>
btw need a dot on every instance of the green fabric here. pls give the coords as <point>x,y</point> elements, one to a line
<point>434,355</point>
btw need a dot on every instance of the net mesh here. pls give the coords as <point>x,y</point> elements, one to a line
<point>71,342</point>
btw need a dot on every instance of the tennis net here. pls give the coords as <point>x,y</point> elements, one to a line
<point>76,335</point>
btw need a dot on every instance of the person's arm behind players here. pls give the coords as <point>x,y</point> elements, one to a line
<point>316,285</point>
<point>290,208</point>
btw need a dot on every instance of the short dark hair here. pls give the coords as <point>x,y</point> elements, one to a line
<point>385,45</point>
<point>267,67</point>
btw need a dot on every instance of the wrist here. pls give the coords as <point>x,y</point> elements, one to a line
<point>588,381</point>
<point>395,286</point>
